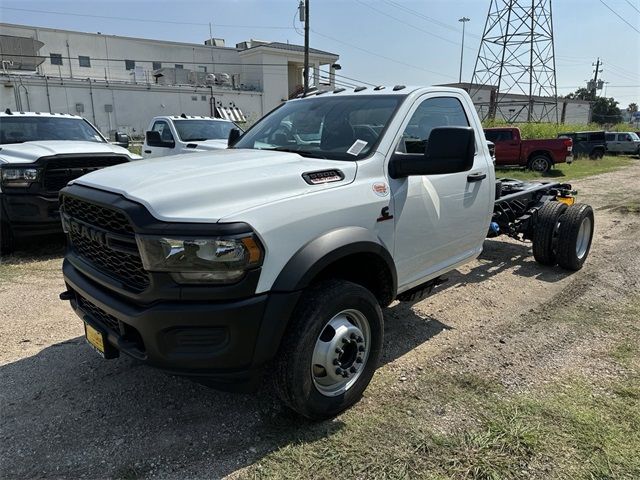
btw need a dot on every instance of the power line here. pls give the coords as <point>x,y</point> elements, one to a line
<point>407,24</point>
<point>424,17</point>
<point>146,20</point>
<point>381,56</point>
<point>633,6</point>
<point>619,16</point>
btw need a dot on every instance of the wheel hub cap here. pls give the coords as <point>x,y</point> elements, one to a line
<point>341,352</point>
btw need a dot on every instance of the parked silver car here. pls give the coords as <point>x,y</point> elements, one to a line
<point>623,142</point>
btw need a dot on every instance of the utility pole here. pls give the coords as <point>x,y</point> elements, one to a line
<point>464,20</point>
<point>594,87</point>
<point>304,8</point>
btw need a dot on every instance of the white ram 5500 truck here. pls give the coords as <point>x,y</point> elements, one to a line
<point>278,257</point>
<point>39,154</point>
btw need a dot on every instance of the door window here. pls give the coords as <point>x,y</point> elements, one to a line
<point>165,131</point>
<point>430,114</point>
<point>611,137</point>
<point>624,137</point>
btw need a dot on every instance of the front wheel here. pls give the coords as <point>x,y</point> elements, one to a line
<point>331,349</point>
<point>540,163</point>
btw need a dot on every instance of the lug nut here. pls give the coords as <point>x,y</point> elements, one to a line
<point>352,336</point>
<point>361,348</point>
<point>336,361</point>
<point>339,351</point>
<point>338,371</point>
<point>360,340</point>
<point>345,374</point>
<point>352,369</point>
<point>344,340</point>
<point>359,360</point>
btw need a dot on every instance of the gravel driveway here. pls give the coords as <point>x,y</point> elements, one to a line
<point>66,413</point>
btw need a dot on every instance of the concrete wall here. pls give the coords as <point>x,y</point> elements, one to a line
<point>132,106</point>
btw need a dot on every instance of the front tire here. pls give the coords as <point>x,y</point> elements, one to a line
<point>7,241</point>
<point>540,163</point>
<point>331,349</point>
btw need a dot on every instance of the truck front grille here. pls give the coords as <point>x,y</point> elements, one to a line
<point>118,256</point>
<point>59,171</point>
<point>97,313</point>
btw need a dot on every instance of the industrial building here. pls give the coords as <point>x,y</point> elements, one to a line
<point>486,97</point>
<point>120,83</point>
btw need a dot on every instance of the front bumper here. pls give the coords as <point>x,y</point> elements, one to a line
<point>30,214</point>
<point>225,344</point>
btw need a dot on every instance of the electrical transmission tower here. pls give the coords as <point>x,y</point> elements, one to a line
<point>516,62</point>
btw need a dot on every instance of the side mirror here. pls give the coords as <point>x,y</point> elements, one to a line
<point>155,140</point>
<point>234,136</point>
<point>122,139</point>
<point>448,150</point>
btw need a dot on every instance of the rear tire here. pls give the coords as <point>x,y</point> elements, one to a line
<point>546,232</point>
<point>540,163</point>
<point>596,154</point>
<point>306,374</point>
<point>575,236</point>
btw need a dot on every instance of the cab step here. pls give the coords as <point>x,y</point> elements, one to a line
<point>422,290</point>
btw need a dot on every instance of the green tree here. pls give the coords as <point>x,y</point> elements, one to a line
<point>605,110</point>
<point>632,108</point>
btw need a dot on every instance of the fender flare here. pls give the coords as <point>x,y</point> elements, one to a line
<point>330,247</point>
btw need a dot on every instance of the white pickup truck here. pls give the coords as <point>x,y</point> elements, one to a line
<point>39,154</point>
<point>173,135</point>
<point>279,256</point>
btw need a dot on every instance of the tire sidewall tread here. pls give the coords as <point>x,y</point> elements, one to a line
<point>568,234</point>
<point>292,370</point>
<point>548,217</point>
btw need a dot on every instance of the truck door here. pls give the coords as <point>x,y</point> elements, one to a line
<point>507,148</point>
<point>440,220</point>
<point>168,147</point>
<point>612,144</point>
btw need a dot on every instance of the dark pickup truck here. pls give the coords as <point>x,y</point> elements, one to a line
<point>538,155</point>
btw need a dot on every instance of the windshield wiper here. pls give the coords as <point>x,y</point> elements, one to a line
<point>302,153</point>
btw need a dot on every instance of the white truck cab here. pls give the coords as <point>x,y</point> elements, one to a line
<point>173,135</point>
<point>277,255</point>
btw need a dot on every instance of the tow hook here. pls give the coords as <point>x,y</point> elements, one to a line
<point>66,295</point>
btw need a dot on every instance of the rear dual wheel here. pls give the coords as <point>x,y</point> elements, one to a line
<point>563,235</point>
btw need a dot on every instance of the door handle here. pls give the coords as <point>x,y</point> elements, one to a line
<point>476,177</point>
<point>147,151</point>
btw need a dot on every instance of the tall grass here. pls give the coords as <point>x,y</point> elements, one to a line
<point>551,130</point>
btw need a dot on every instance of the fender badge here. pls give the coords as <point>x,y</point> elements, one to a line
<point>381,189</point>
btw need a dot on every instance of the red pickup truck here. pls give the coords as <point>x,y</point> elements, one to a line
<point>538,155</point>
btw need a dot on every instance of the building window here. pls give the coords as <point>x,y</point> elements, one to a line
<point>130,64</point>
<point>56,58</point>
<point>84,61</point>
<point>157,65</point>
<point>202,68</point>
<point>203,98</point>
<point>179,66</point>
<point>194,98</point>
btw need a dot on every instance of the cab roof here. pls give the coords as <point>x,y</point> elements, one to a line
<point>400,90</point>
<point>9,113</point>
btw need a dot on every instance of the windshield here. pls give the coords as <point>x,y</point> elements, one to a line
<point>337,128</point>
<point>200,130</point>
<point>33,129</point>
<point>634,136</point>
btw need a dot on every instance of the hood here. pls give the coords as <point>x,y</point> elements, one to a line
<point>212,144</point>
<point>29,152</point>
<point>204,187</point>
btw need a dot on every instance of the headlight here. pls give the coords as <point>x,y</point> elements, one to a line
<point>19,177</point>
<point>200,260</point>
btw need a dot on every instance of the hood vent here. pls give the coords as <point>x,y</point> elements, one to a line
<point>323,176</point>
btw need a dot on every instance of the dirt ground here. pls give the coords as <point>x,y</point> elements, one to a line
<point>65,413</point>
